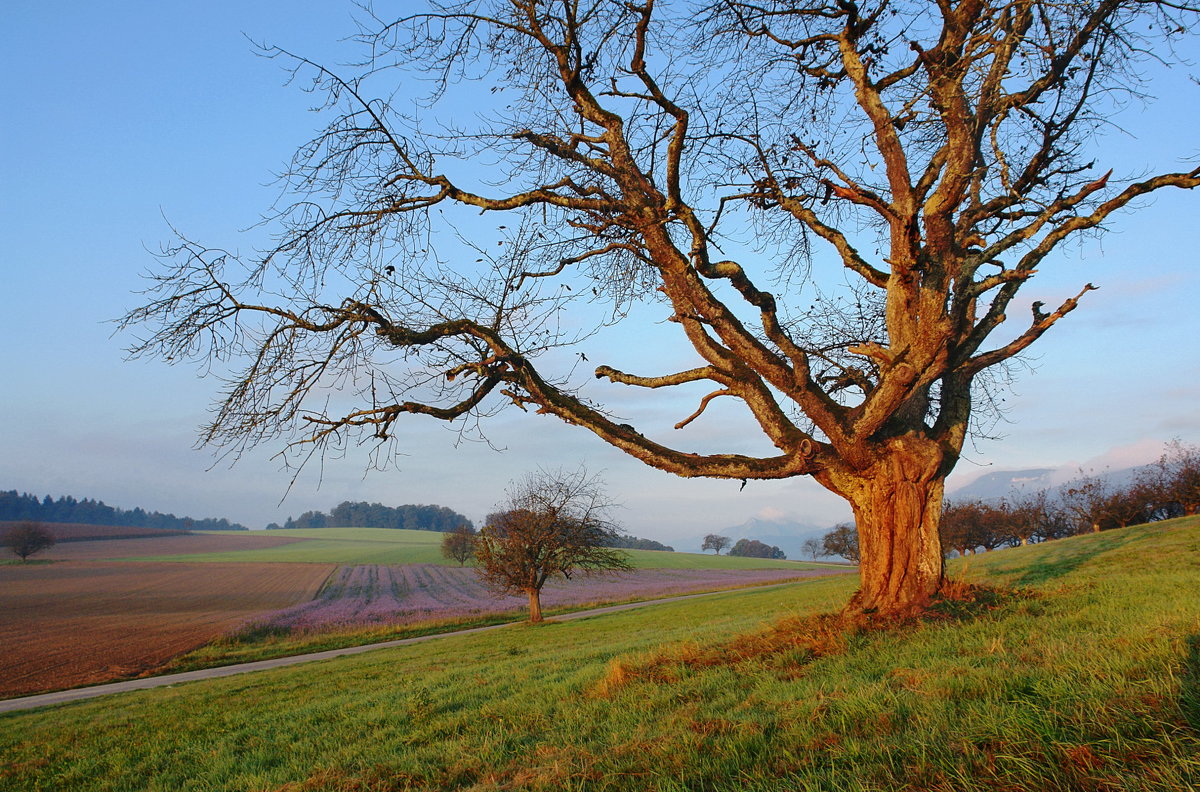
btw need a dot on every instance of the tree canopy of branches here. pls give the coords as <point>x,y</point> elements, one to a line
<point>705,160</point>
<point>551,524</point>
<point>842,541</point>
<point>459,544</point>
<point>968,525</point>
<point>27,538</point>
<point>1174,481</point>
<point>813,549</point>
<point>715,542</point>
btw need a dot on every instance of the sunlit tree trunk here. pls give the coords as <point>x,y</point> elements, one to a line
<point>535,605</point>
<point>897,509</point>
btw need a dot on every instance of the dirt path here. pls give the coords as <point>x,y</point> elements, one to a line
<point>77,694</point>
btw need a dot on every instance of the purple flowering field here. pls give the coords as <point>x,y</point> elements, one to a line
<point>372,595</point>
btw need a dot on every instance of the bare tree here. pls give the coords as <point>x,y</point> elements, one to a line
<point>715,542</point>
<point>1174,479</point>
<point>459,544</point>
<point>1031,514</point>
<point>27,538</point>
<point>842,541</point>
<point>936,153</point>
<point>813,549</point>
<point>969,525</point>
<point>1088,499</point>
<point>551,524</point>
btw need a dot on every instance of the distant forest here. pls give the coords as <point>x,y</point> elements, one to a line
<point>376,515</point>
<point>634,543</point>
<point>24,506</point>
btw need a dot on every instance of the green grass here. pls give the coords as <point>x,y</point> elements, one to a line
<point>1090,683</point>
<point>253,645</point>
<point>387,546</point>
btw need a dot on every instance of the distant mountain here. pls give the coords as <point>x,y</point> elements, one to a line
<point>1002,483</point>
<point>787,535</point>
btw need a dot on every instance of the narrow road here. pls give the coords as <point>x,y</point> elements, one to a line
<point>94,691</point>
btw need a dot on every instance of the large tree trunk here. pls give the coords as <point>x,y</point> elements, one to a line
<point>897,507</point>
<point>535,605</point>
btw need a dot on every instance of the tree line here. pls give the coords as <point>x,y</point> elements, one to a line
<point>626,542</point>
<point>15,507</point>
<point>1168,488</point>
<point>408,517</point>
<point>746,548</point>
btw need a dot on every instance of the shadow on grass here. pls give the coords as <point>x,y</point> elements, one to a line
<point>1189,686</point>
<point>1068,556</point>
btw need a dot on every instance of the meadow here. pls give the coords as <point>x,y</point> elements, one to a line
<point>1078,670</point>
<point>388,546</point>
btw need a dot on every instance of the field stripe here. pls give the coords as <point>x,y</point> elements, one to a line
<point>78,694</point>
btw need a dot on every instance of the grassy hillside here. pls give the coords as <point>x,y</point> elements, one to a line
<point>386,546</point>
<point>1089,680</point>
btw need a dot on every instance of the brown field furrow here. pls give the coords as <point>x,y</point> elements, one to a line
<point>161,545</point>
<point>82,532</point>
<point>77,623</point>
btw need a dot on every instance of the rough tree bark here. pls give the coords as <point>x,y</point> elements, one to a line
<point>535,605</point>
<point>897,504</point>
<point>935,153</point>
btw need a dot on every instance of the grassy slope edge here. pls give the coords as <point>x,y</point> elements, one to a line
<point>1093,683</point>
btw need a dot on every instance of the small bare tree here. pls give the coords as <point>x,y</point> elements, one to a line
<point>813,549</point>
<point>551,524</point>
<point>695,157</point>
<point>1175,478</point>
<point>1088,500</point>
<point>459,544</point>
<point>842,541</point>
<point>715,542</point>
<point>27,538</point>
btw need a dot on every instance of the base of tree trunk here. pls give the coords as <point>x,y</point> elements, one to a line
<point>535,606</point>
<point>897,509</point>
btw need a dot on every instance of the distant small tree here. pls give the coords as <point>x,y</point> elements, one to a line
<point>969,525</point>
<point>812,548</point>
<point>1176,479</point>
<point>752,548</point>
<point>1029,515</point>
<point>1087,499</point>
<point>27,538</point>
<point>715,542</point>
<point>842,541</point>
<point>551,524</point>
<point>459,544</point>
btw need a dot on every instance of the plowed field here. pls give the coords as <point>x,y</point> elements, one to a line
<point>162,545</point>
<point>69,624</point>
<point>361,596</point>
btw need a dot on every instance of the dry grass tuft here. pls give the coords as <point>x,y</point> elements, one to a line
<point>796,641</point>
<point>328,779</point>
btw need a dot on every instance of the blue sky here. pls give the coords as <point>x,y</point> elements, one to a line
<point>122,117</point>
